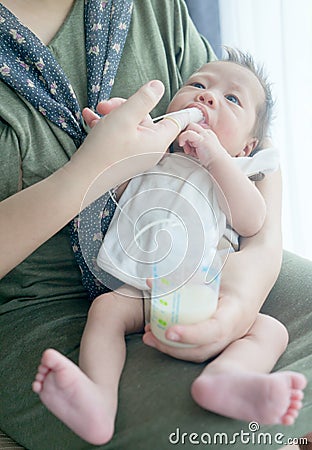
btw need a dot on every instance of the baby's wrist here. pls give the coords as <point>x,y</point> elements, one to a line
<point>214,157</point>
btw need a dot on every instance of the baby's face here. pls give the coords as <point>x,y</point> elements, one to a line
<point>228,95</point>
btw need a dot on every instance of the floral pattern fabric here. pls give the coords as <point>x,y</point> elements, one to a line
<point>29,67</point>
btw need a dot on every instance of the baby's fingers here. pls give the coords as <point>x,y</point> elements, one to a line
<point>189,137</point>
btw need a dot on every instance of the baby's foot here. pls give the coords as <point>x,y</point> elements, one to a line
<point>76,400</point>
<point>264,398</point>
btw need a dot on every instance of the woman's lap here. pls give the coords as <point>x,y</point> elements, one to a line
<point>155,404</point>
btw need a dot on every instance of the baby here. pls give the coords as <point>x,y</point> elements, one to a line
<point>235,101</point>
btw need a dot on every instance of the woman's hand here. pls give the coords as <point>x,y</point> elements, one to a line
<point>237,309</point>
<point>125,141</point>
<point>104,107</point>
<point>231,321</point>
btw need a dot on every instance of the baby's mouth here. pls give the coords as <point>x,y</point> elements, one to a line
<point>205,122</point>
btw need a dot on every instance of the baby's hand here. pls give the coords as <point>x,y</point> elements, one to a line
<point>201,143</point>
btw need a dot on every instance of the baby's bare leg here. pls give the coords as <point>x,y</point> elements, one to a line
<point>238,384</point>
<point>85,399</point>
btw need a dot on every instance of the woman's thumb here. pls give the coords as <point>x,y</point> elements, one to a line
<point>144,100</point>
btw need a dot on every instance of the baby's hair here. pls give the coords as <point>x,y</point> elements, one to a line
<point>265,111</point>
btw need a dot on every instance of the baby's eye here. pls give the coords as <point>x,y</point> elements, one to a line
<point>232,98</point>
<point>198,85</point>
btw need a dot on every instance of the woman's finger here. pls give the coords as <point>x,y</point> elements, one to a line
<point>195,354</point>
<point>208,338</point>
<point>90,117</point>
<point>135,111</point>
<point>215,332</point>
<point>106,106</point>
<point>136,108</point>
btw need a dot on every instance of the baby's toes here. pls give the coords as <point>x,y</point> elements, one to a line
<point>43,369</point>
<point>295,404</point>
<point>296,394</point>
<point>290,417</point>
<point>39,377</point>
<point>37,386</point>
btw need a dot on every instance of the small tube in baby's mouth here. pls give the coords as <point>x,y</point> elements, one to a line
<point>183,118</point>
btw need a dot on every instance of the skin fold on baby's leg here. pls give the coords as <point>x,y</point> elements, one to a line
<point>238,384</point>
<point>85,398</point>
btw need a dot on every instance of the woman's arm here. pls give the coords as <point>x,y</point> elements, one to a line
<point>246,280</point>
<point>48,205</point>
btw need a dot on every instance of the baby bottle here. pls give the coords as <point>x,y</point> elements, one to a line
<point>186,282</point>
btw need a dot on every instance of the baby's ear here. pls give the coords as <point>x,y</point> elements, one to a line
<point>250,146</point>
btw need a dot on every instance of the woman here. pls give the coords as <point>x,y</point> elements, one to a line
<point>43,302</point>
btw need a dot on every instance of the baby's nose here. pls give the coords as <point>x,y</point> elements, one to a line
<point>208,98</point>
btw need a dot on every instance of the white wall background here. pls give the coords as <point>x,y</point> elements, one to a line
<point>278,33</point>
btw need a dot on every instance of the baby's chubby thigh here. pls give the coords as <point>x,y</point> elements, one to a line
<point>123,307</point>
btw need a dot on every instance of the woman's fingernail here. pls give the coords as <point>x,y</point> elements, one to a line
<point>157,86</point>
<point>172,336</point>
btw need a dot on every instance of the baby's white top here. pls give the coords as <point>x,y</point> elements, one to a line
<point>177,189</point>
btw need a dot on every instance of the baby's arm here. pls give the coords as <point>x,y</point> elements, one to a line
<point>238,197</point>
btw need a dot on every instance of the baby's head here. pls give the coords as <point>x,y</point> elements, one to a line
<point>265,109</point>
<point>235,99</point>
